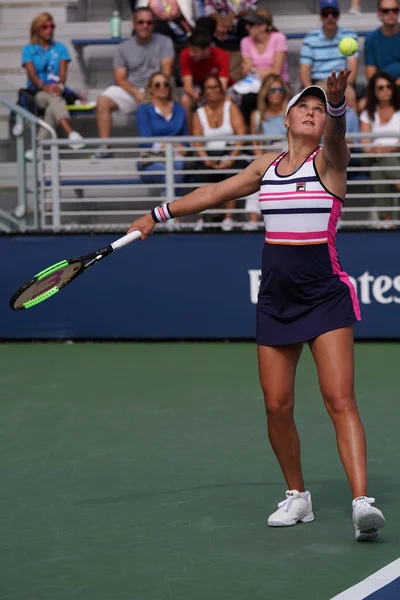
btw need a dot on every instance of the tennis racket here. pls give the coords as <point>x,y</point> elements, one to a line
<point>50,281</point>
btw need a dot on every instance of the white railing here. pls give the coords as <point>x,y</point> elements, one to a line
<point>109,193</point>
<point>78,191</point>
<point>28,189</point>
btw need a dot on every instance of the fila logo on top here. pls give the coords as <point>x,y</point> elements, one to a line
<point>382,289</point>
<point>301,186</point>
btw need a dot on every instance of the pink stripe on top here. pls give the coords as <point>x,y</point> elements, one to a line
<point>278,235</point>
<point>337,269</point>
<point>294,196</point>
<point>312,156</point>
<point>278,158</point>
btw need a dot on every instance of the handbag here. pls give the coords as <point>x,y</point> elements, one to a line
<point>70,96</point>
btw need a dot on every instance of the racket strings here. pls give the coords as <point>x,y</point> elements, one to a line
<point>45,287</point>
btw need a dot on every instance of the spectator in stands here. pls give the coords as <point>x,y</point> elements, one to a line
<point>320,54</point>
<point>160,116</point>
<point>268,119</point>
<point>173,18</point>
<point>46,63</point>
<point>225,17</point>
<point>382,46</point>
<point>196,62</point>
<point>217,118</point>
<point>136,59</point>
<point>382,115</point>
<point>264,52</point>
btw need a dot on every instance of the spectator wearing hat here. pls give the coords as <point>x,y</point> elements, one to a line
<point>320,53</point>
<point>264,52</point>
<point>382,46</point>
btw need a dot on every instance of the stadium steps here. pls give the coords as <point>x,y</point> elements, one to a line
<point>22,11</point>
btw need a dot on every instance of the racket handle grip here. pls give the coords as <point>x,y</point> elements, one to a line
<point>126,239</point>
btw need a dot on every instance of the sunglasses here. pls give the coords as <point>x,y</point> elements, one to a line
<point>48,26</point>
<point>386,11</point>
<point>387,86</point>
<point>276,90</point>
<point>161,84</point>
<point>213,87</point>
<point>141,22</point>
<point>326,13</point>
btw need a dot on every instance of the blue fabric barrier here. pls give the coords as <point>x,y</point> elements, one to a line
<point>180,286</point>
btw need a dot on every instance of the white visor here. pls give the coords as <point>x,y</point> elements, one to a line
<point>311,90</point>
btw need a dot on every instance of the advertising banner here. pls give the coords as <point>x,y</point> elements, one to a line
<point>180,286</point>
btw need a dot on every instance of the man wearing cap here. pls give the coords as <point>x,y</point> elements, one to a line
<point>320,53</point>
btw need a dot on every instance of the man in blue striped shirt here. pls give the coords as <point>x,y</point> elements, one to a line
<point>320,54</point>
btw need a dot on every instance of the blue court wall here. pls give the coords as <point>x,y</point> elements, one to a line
<point>182,286</point>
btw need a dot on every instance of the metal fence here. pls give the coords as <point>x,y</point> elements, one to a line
<point>65,190</point>
<point>79,191</point>
<point>24,129</point>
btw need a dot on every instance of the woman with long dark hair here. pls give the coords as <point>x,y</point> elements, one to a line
<point>218,117</point>
<point>382,115</point>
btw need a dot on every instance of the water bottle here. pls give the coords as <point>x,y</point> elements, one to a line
<point>116,25</point>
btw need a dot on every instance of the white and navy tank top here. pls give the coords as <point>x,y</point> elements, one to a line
<point>297,208</point>
<point>216,132</point>
<point>301,267</point>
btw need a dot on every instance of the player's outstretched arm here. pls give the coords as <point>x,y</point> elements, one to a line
<point>243,184</point>
<point>335,149</point>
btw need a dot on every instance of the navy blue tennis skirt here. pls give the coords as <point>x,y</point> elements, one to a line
<point>301,297</point>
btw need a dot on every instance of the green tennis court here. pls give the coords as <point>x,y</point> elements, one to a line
<point>143,472</point>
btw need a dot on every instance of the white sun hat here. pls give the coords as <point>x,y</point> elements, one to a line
<point>311,90</point>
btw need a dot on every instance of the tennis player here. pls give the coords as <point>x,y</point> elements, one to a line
<point>304,294</point>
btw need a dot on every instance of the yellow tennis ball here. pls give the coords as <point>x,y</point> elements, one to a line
<point>348,46</point>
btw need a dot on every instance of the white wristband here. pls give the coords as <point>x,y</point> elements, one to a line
<point>337,110</point>
<point>161,213</point>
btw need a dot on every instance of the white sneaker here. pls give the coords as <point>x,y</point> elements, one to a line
<point>250,84</point>
<point>29,156</point>
<point>198,226</point>
<point>102,153</point>
<point>77,140</point>
<point>227,224</point>
<point>173,225</point>
<point>367,519</point>
<point>296,508</point>
<point>250,226</point>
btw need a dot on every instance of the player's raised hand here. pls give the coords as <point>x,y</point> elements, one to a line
<point>145,225</point>
<point>336,85</point>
